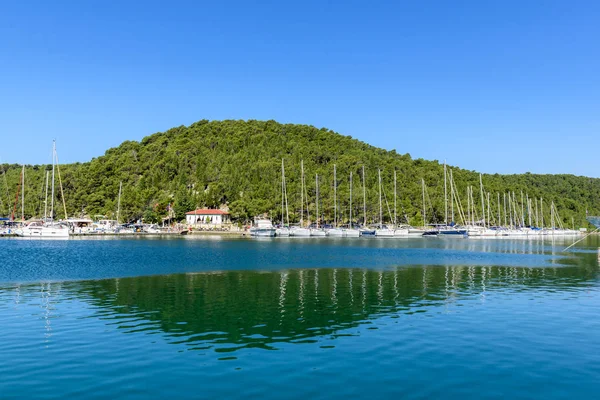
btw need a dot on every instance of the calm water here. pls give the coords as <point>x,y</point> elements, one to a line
<point>270,319</point>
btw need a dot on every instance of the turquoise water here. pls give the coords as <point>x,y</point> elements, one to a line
<point>239,318</point>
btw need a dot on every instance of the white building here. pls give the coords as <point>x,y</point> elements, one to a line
<point>207,217</point>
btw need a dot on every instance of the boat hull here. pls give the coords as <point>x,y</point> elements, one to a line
<point>43,232</point>
<point>262,232</point>
<point>300,232</point>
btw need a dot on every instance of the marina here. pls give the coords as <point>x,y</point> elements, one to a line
<point>315,200</point>
<point>493,315</point>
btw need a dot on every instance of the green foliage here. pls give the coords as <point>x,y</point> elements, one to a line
<point>238,164</point>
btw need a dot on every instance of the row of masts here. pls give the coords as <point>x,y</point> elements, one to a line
<point>304,198</point>
<point>48,217</point>
<point>510,211</point>
<point>478,210</point>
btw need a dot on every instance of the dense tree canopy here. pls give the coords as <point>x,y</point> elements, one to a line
<point>237,164</point>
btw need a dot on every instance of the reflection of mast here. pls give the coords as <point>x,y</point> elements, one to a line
<point>364,290</point>
<point>350,286</point>
<point>380,287</point>
<point>334,289</point>
<point>316,285</point>
<point>46,305</point>
<point>396,287</point>
<point>282,287</point>
<point>301,293</point>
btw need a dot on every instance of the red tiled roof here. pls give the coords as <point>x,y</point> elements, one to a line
<point>206,211</point>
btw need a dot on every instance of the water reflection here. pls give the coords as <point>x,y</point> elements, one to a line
<point>229,310</point>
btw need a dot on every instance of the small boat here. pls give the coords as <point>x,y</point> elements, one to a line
<point>41,230</point>
<point>262,228</point>
<point>384,232</point>
<point>441,230</point>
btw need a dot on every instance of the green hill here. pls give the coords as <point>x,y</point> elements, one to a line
<point>238,164</point>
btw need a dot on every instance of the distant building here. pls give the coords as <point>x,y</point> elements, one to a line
<point>207,217</point>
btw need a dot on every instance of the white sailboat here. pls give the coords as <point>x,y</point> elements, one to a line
<point>351,231</point>
<point>316,231</point>
<point>283,229</point>
<point>364,231</point>
<point>382,230</point>
<point>47,228</point>
<point>301,231</point>
<point>335,230</point>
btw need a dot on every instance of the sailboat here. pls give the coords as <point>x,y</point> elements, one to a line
<point>382,230</point>
<point>46,228</point>
<point>351,231</point>
<point>403,230</point>
<point>335,231</point>
<point>301,231</point>
<point>317,231</point>
<point>283,229</point>
<point>364,231</point>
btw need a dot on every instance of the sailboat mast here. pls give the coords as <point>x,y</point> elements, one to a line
<point>23,194</point>
<point>364,196</point>
<point>469,204</point>
<point>489,214</point>
<point>119,201</point>
<point>505,219</point>
<point>350,199</point>
<point>52,196</point>
<point>317,194</point>
<point>282,191</point>
<point>334,197</point>
<point>46,200</point>
<point>302,193</point>
<point>287,208</point>
<point>395,201</point>
<point>452,194</point>
<point>424,216</point>
<point>542,211</point>
<point>445,194</point>
<point>499,222</point>
<point>482,200</point>
<point>380,203</point>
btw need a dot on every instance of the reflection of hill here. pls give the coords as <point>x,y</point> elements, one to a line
<point>256,309</point>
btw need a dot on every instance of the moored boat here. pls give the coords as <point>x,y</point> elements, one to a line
<point>40,230</point>
<point>262,228</point>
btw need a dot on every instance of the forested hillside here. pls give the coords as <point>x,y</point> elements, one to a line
<point>237,164</point>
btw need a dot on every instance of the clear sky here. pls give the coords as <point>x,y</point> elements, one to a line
<point>494,86</point>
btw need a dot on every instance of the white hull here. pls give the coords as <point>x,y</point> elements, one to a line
<point>300,232</point>
<point>262,232</point>
<point>318,233</point>
<point>282,232</point>
<point>43,232</point>
<point>401,233</point>
<point>351,233</point>
<point>386,233</point>
<point>337,232</point>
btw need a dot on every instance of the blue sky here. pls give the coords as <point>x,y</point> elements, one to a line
<point>506,87</point>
